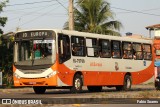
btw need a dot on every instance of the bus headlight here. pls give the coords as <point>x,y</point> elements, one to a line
<point>51,74</point>
<point>17,76</point>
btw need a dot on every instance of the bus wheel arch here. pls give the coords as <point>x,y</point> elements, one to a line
<point>77,82</point>
<point>127,83</point>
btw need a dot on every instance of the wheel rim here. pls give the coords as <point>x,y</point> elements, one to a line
<point>77,83</point>
<point>128,83</point>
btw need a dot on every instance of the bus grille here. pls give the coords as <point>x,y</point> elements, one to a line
<point>32,71</point>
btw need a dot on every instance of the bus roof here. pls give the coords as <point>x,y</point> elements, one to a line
<point>93,35</point>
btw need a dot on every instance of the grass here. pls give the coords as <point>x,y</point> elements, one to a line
<point>149,94</point>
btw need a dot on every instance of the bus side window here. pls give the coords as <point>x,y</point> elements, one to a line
<point>147,53</point>
<point>63,48</point>
<point>78,46</point>
<point>105,48</point>
<point>92,47</point>
<point>127,50</point>
<point>137,51</point>
<point>116,49</point>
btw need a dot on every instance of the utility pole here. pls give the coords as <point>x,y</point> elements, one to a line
<point>71,15</point>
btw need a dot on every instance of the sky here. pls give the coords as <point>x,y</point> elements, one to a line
<point>134,15</point>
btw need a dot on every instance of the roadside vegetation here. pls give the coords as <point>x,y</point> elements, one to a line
<point>95,16</point>
<point>6,50</point>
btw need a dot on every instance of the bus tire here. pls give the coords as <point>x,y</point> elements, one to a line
<point>39,89</point>
<point>94,88</point>
<point>126,84</point>
<point>77,84</point>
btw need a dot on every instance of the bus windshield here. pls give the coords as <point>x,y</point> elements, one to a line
<point>35,52</point>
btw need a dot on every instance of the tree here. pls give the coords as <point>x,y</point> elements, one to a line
<point>6,48</point>
<point>95,16</point>
<point>2,19</point>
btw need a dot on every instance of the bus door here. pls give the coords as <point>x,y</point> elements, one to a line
<point>63,48</point>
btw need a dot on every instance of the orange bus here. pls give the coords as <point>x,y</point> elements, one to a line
<point>54,58</point>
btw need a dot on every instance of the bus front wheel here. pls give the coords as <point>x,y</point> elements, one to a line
<point>126,85</point>
<point>77,84</point>
<point>39,89</point>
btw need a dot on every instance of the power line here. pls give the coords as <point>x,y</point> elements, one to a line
<point>32,12</point>
<point>136,11</point>
<point>30,3</point>
<point>141,10</point>
<point>152,9</point>
<point>62,5</point>
<point>35,18</point>
<point>25,8</point>
<point>29,8</point>
<point>38,13</point>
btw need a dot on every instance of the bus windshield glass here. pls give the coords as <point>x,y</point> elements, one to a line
<point>35,52</point>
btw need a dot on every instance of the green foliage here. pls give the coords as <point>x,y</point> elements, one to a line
<point>95,16</point>
<point>6,61</point>
<point>6,51</point>
<point>2,19</point>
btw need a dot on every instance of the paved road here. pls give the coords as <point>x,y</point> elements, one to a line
<point>138,91</point>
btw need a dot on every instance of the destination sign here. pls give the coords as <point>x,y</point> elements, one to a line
<point>35,34</point>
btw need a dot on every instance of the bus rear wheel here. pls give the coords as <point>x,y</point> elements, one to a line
<point>77,84</point>
<point>94,88</point>
<point>126,85</point>
<point>39,89</point>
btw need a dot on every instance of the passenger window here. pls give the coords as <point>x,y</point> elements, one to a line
<point>127,50</point>
<point>137,51</point>
<point>105,48</point>
<point>92,47</point>
<point>64,48</point>
<point>147,53</point>
<point>78,47</point>
<point>116,49</point>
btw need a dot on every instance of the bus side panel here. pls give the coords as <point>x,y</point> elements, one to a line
<point>144,75</point>
<point>91,78</point>
<point>117,78</point>
<point>103,78</point>
<point>65,75</point>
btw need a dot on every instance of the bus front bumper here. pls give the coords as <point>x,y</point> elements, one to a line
<point>52,81</point>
